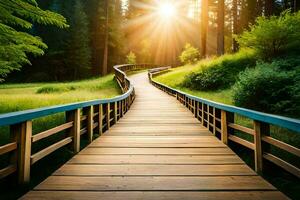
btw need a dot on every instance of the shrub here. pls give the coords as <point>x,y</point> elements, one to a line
<point>273,36</point>
<point>221,72</point>
<point>54,89</point>
<point>131,58</point>
<point>269,88</point>
<point>189,55</point>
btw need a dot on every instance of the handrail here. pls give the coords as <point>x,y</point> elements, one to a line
<point>88,117</point>
<point>285,122</point>
<point>220,120</point>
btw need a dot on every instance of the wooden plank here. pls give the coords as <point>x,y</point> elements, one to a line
<point>8,148</point>
<point>241,128</point>
<point>153,183</point>
<point>41,154</point>
<point>154,145</point>
<point>52,131</point>
<point>158,139</point>
<point>282,145</point>
<point>158,195</point>
<point>155,159</point>
<point>7,171</point>
<point>157,151</point>
<point>240,141</point>
<point>154,170</point>
<point>283,164</point>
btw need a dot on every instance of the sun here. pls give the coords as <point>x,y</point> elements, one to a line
<point>166,10</point>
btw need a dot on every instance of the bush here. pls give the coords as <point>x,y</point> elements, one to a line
<point>273,36</point>
<point>54,89</point>
<point>269,88</point>
<point>189,55</point>
<point>221,72</point>
<point>131,58</point>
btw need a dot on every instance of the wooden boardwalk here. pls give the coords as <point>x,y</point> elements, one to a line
<point>157,151</point>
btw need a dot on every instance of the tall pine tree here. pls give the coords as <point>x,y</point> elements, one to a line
<point>79,52</point>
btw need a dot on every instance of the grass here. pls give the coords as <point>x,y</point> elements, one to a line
<point>279,178</point>
<point>16,97</point>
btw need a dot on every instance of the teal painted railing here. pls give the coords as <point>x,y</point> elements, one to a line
<point>225,122</point>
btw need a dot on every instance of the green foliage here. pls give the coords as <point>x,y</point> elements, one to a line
<point>15,45</point>
<point>189,55</point>
<point>221,72</point>
<point>273,36</point>
<point>131,58</point>
<point>54,89</point>
<point>270,88</point>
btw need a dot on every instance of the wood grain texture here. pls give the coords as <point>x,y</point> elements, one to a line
<point>232,195</point>
<point>160,151</point>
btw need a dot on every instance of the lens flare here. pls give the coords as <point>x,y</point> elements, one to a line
<point>167,10</point>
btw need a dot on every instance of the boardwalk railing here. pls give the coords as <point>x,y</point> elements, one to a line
<point>228,123</point>
<point>84,118</point>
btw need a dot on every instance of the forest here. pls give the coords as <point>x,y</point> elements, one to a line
<point>240,53</point>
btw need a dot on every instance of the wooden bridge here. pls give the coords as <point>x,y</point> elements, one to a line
<point>158,150</point>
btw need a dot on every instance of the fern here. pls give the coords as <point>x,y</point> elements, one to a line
<point>15,45</point>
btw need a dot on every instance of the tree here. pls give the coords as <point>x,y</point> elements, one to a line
<point>269,7</point>
<point>105,52</point>
<point>220,34</point>
<point>235,25</point>
<point>273,36</point>
<point>204,25</point>
<point>15,45</point>
<point>189,55</point>
<point>79,52</point>
<point>131,58</point>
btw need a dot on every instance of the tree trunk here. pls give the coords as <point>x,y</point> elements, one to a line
<point>235,25</point>
<point>269,7</point>
<point>221,13</point>
<point>204,25</point>
<point>259,7</point>
<point>105,53</point>
<point>296,5</point>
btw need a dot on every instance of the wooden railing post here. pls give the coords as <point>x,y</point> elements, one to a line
<point>90,123</point>
<point>224,131</point>
<point>22,133</point>
<point>196,108</point>
<point>100,119</point>
<point>226,117</point>
<point>75,130</point>
<point>202,114</point>
<point>115,112</point>
<point>108,116</point>
<point>259,129</point>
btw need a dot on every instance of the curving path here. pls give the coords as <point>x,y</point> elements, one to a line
<point>157,151</point>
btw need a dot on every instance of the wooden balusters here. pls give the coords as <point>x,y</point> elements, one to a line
<point>100,119</point>
<point>75,130</point>
<point>22,133</point>
<point>259,129</point>
<point>115,110</point>
<point>89,111</point>
<point>107,116</point>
